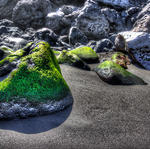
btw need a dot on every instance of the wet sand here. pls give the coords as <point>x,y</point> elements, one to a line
<point>102,117</point>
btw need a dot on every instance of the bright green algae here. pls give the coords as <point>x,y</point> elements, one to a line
<point>67,57</point>
<point>85,53</point>
<point>38,77</point>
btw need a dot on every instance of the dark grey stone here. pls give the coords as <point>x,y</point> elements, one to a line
<point>104,45</point>
<point>76,36</point>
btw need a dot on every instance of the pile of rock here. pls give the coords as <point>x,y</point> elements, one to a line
<point>78,32</point>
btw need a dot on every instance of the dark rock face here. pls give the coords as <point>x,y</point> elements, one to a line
<point>46,35</point>
<point>54,21</point>
<point>76,36</point>
<point>6,8</point>
<point>131,16</point>
<point>31,13</point>
<point>116,21</point>
<point>104,45</point>
<point>92,22</point>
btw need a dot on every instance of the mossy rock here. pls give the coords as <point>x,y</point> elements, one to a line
<point>8,63</point>
<point>37,77</point>
<point>121,59</point>
<point>56,52</point>
<point>69,58</point>
<point>87,54</point>
<point>113,73</point>
<point>4,51</point>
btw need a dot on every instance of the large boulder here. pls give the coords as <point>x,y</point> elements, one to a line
<point>37,76</point>
<point>113,73</point>
<point>116,21</point>
<point>6,8</point>
<point>35,86</point>
<point>138,44</point>
<point>92,22</point>
<point>31,13</point>
<point>54,21</point>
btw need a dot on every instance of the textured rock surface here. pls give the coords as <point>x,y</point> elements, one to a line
<point>139,46</point>
<point>77,37</point>
<point>24,109</point>
<point>145,10</point>
<point>92,22</point>
<point>116,21</point>
<point>116,3</point>
<point>120,43</point>
<point>143,24</point>
<point>104,45</point>
<point>31,13</point>
<point>54,21</point>
<point>6,8</point>
<point>47,35</point>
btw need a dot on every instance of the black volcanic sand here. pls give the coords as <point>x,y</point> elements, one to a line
<point>103,117</point>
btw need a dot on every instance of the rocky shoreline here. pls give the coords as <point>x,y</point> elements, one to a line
<point>38,35</point>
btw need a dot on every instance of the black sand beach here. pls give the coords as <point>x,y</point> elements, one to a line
<point>103,117</point>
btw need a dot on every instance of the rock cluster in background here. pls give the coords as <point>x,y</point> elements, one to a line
<point>69,24</point>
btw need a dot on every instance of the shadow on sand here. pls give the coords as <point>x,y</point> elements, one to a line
<point>37,124</point>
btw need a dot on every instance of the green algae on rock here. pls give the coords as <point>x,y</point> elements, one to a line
<point>87,54</point>
<point>121,59</point>
<point>56,52</point>
<point>113,73</point>
<point>37,77</point>
<point>7,64</point>
<point>4,51</point>
<point>69,58</point>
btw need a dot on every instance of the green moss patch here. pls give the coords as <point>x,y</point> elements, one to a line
<point>4,51</point>
<point>69,58</point>
<point>86,54</point>
<point>113,73</point>
<point>37,78</point>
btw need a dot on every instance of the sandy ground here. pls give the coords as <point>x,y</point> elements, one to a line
<point>102,117</point>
